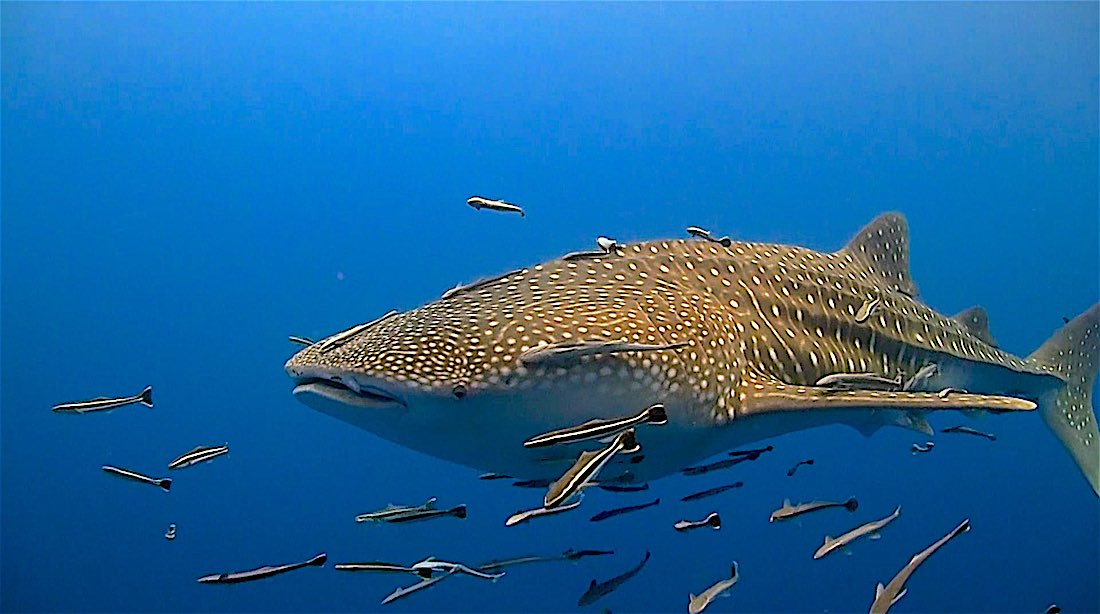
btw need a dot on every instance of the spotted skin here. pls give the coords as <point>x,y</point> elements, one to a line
<point>759,324</point>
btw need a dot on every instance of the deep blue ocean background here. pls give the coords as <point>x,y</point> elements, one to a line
<point>184,185</point>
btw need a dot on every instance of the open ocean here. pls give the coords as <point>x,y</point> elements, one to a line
<point>185,185</point>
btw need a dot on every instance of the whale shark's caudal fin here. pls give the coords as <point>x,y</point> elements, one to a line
<point>1073,353</point>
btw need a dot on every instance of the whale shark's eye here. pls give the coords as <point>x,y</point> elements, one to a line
<point>459,391</point>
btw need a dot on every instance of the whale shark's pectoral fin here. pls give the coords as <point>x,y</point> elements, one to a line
<point>764,394</point>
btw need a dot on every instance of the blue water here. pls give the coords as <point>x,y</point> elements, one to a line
<point>185,185</point>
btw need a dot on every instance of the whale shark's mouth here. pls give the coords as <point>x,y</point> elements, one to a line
<point>349,393</point>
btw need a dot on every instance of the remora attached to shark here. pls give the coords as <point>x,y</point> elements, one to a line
<point>732,340</point>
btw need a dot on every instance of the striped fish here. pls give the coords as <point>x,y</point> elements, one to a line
<point>261,572</point>
<point>525,515</point>
<point>305,341</point>
<point>395,510</point>
<point>165,484</point>
<point>585,469</point>
<point>199,454</point>
<point>145,397</point>
<point>598,429</point>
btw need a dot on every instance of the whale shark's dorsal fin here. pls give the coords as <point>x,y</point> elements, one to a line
<point>883,247</point>
<point>976,322</point>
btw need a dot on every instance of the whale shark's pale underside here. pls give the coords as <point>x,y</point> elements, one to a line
<point>730,339</point>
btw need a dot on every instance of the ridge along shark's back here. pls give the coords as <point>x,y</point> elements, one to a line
<point>722,336</point>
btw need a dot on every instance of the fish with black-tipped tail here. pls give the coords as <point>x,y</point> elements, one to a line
<point>871,528</point>
<point>200,454</point>
<point>792,470</point>
<point>586,468</point>
<point>261,572</point>
<point>713,520</point>
<point>619,511</point>
<point>597,590</point>
<point>396,510</point>
<point>966,430</point>
<point>145,397</point>
<point>698,603</point>
<point>887,596</point>
<point>164,484</point>
<point>598,429</point>
<point>788,511</point>
<point>479,202</point>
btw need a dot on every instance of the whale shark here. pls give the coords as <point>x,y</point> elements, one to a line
<point>731,339</point>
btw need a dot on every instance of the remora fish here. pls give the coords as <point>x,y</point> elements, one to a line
<point>145,397</point>
<point>306,341</point>
<point>698,603</point>
<point>710,492</point>
<point>600,589</point>
<point>887,596</point>
<point>447,379</point>
<point>623,510</point>
<point>588,465</point>
<point>789,511</point>
<point>596,429</point>
<point>524,516</point>
<point>792,470</point>
<point>716,465</point>
<point>423,584</point>
<point>432,565</point>
<point>871,528</point>
<point>396,510</point>
<point>381,566</point>
<point>927,447</point>
<point>165,484</point>
<point>751,454</point>
<point>458,511</point>
<point>199,454</point>
<point>568,555</point>
<point>969,431</point>
<point>477,202</point>
<point>713,520</point>
<point>261,572</point>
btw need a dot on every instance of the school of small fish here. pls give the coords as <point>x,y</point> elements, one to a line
<point>607,438</point>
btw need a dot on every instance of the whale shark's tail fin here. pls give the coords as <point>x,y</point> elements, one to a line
<point>1073,353</point>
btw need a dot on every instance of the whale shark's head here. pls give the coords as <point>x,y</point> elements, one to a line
<point>449,378</point>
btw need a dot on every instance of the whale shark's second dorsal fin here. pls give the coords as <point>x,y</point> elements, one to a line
<point>976,322</point>
<point>883,247</point>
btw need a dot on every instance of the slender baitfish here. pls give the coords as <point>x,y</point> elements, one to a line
<point>145,397</point>
<point>382,566</point>
<point>200,454</point>
<point>524,516</point>
<point>751,454</point>
<point>600,589</point>
<point>494,476</point>
<point>710,492</point>
<point>423,584</point>
<point>458,511</point>
<point>306,341</point>
<point>698,603</point>
<point>969,431</point>
<point>261,572</point>
<point>715,466</point>
<point>859,381</point>
<point>395,510</point>
<point>927,447</point>
<point>887,596</point>
<point>712,520</point>
<point>871,528</point>
<point>596,429</point>
<point>792,470</point>
<point>170,534</point>
<point>585,469</point>
<point>789,511</point>
<point>478,202</point>
<point>623,510</point>
<point>165,484</point>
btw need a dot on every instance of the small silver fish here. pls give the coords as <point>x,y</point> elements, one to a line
<point>382,566</point>
<point>969,431</point>
<point>419,586</point>
<point>860,381</point>
<point>306,341</point>
<point>458,511</point>
<point>595,429</point>
<point>871,528</point>
<point>165,484</point>
<point>703,233</point>
<point>171,533</point>
<point>887,596</point>
<point>712,520</point>
<point>261,572</point>
<point>145,397</point>
<point>199,454</point>
<point>922,375</point>
<point>432,565</point>
<point>698,603</point>
<point>790,511</point>
<point>395,510</point>
<point>478,202</point>
<point>524,516</point>
<point>927,447</point>
<point>586,468</point>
